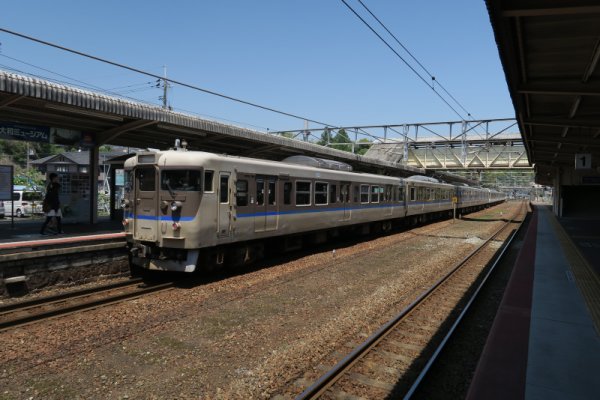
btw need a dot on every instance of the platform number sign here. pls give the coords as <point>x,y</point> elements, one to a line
<point>583,161</point>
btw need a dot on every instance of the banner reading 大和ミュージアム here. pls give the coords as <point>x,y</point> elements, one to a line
<point>29,133</point>
<point>6,178</point>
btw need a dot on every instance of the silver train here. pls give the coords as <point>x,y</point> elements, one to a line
<point>190,210</point>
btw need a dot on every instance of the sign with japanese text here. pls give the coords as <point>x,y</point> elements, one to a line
<point>29,133</point>
<point>6,182</point>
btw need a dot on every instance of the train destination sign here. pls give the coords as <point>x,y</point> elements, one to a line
<point>30,133</point>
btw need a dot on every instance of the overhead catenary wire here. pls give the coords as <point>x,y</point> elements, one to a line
<point>433,78</point>
<point>401,58</point>
<point>89,86</point>
<point>431,86</point>
<point>414,58</point>
<point>173,81</point>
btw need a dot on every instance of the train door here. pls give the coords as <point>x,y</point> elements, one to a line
<point>266,210</point>
<point>224,206</point>
<point>387,199</point>
<point>145,209</point>
<point>345,199</point>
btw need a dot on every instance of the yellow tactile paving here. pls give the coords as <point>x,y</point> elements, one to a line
<point>586,278</point>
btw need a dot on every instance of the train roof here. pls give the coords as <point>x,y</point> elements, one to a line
<point>194,158</point>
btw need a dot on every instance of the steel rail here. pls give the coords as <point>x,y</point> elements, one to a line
<point>331,377</point>
<point>78,306</point>
<point>464,312</point>
<point>48,299</point>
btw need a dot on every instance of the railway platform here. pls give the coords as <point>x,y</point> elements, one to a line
<point>545,339</point>
<point>30,261</point>
<point>23,231</point>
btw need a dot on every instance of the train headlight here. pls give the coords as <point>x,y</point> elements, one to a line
<point>176,226</point>
<point>125,222</point>
<point>124,203</point>
<point>176,205</point>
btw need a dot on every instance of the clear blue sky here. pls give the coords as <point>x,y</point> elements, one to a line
<point>311,57</point>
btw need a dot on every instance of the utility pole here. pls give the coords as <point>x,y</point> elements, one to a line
<point>165,85</point>
<point>306,133</point>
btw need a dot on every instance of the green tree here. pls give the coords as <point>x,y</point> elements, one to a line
<point>339,140</point>
<point>364,145</point>
<point>32,179</point>
<point>289,135</point>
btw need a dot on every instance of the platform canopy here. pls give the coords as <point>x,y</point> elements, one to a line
<point>550,51</point>
<point>120,121</point>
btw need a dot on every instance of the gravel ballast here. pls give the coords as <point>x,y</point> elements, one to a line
<point>253,335</point>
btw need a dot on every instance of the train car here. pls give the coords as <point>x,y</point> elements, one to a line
<point>428,198</point>
<point>188,210</point>
<point>185,209</point>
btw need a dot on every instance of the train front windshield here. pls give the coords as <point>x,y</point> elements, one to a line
<point>181,180</point>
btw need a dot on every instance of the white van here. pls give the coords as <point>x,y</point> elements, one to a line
<point>26,202</point>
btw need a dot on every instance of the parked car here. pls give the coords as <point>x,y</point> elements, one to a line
<point>2,211</point>
<point>26,202</point>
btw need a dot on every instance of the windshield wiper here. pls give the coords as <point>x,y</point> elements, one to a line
<point>170,189</point>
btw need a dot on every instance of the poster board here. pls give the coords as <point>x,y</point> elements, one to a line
<point>6,182</point>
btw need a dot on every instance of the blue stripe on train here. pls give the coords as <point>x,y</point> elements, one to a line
<point>167,218</point>
<point>308,211</point>
<point>290,212</point>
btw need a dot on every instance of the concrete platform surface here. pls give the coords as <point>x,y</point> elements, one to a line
<point>28,230</point>
<point>545,340</point>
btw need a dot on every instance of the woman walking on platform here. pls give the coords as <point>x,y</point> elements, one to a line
<point>51,205</point>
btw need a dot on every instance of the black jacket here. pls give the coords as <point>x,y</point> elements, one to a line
<point>52,196</point>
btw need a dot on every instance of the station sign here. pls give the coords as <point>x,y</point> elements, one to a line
<point>454,199</point>
<point>6,182</point>
<point>583,161</point>
<point>68,137</point>
<point>590,180</point>
<point>29,133</point>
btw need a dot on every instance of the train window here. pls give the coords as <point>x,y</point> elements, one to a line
<point>355,195</point>
<point>208,181</point>
<point>374,194</point>
<point>260,192</point>
<point>287,193</point>
<point>272,193</point>
<point>128,181</point>
<point>321,189</point>
<point>332,193</point>
<point>302,193</point>
<point>146,178</point>
<point>241,193</point>
<point>180,180</point>
<point>413,194</point>
<point>224,189</point>
<point>364,193</point>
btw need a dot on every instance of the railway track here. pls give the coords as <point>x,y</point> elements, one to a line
<point>28,312</point>
<point>392,362</point>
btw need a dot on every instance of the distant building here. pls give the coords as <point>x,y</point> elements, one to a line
<point>73,169</point>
